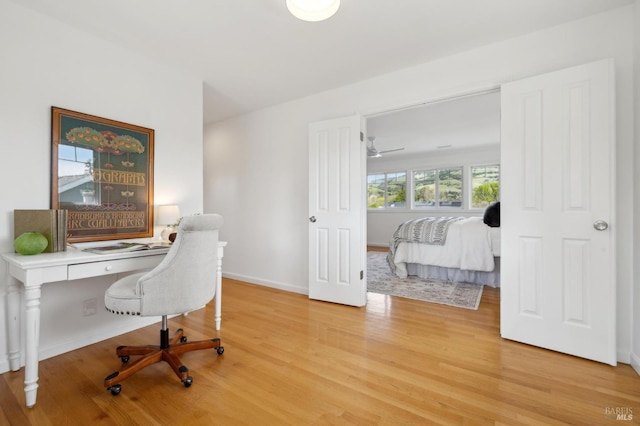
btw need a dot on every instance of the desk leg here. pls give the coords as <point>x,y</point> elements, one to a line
<point>13,322</point>
<point>218,315</point>
<point>32,334</point>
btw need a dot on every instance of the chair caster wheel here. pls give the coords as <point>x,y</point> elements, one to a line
<point>115,389</point>
<point>220,350</point>
<point>183,339</point>
<point>124,359</point>
<point>187,382</point>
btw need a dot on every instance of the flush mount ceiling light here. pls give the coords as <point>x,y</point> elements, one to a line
<point>313,10</point>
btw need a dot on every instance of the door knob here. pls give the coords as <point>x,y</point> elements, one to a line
<point>312,219</point>
<point>600,225</point>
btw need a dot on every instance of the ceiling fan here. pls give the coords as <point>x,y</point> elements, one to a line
<point>373,152</point>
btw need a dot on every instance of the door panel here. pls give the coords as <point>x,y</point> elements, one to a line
<point>558,272</point>
<point>337,214</point>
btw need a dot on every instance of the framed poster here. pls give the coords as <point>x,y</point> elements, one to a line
<point>102,173</point>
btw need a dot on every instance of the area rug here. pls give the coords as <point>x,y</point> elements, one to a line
<point>380,280</point>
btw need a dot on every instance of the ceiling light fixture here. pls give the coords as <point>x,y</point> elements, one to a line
<point>313,10</point>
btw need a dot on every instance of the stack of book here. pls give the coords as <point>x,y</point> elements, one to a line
<point>50,223</point>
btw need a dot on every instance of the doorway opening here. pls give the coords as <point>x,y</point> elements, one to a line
<point>460,134</point>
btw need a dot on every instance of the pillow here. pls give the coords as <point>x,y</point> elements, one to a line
<point>492,215</point>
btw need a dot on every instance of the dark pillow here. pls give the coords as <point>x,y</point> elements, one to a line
<point>492,215</point>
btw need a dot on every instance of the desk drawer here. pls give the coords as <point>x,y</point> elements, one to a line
<point>96,269</point>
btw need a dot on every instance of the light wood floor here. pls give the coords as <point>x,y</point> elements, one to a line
<point>293,361</point>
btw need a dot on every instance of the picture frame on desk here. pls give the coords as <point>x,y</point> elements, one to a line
<point>102,173</point>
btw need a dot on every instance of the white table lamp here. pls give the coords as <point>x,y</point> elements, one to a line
<point>168,215</point>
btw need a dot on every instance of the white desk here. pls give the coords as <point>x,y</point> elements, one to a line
<point>34,271</point>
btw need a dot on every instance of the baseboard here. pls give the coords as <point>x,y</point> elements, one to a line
<point>86,339</point>
<point>266,283</point>
<point>635,362</point>
<point>378,244</point>
<point>623,357</point>
<point>82,340</point>
<point>4,365</point>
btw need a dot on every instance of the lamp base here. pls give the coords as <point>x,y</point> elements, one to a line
<point>166,232</point>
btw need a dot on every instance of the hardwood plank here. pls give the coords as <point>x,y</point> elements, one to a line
<point>291,360</point>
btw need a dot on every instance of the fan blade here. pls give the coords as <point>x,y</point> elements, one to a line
<point>390,150</point>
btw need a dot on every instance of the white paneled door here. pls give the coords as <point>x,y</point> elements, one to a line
<point>337,213</point>
<point>558,284</point>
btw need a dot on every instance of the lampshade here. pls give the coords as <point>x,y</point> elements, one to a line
<point>313,10</point>
<point>168,215</point>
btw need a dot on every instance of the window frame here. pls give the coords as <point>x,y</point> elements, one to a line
<point>470,185</point>
<point>386,205</point>
<point>410,182</point>
<point>437,201</point>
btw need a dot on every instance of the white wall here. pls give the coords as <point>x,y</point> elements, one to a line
<point>382,223</point>
<point>44,64</point>
<point>256,164</point>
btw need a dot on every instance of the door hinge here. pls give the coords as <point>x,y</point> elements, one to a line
<point>362,275</point>
<point>361,137</point>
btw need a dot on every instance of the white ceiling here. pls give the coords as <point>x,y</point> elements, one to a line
<point>465,122</point>
<point>253,53</point>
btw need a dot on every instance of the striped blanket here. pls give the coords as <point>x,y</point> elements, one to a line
<point>428,230</point>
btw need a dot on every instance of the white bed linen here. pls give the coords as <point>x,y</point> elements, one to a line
<point>468,246</point>
<point>494,233</point>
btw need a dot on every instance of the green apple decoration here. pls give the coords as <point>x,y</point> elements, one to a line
<point>30,243</point>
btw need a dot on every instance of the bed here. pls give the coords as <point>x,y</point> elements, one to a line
<point>447,248</point>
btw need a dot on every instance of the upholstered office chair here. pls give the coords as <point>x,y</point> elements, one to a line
<point>185,280</point>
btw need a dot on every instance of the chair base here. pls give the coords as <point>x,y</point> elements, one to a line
<point>167,351</point>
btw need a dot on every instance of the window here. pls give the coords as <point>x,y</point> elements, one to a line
<point>424,184</point>
<point>458,187</point>
<point>387,190</point>
<point>485,185</point>
<point>437,188</point>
